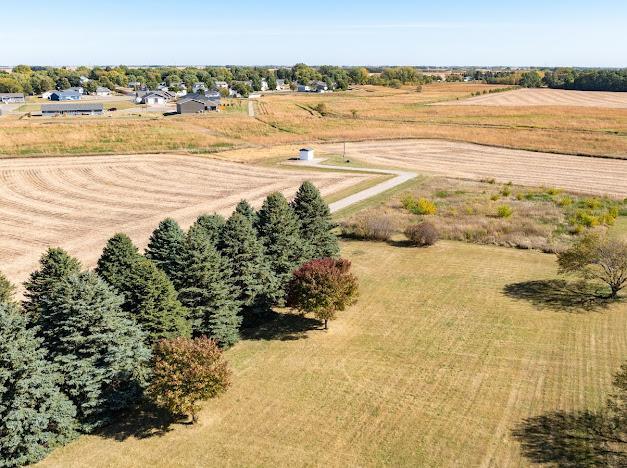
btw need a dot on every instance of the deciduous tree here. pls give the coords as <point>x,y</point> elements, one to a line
<point>600,258</point>
<point>323,287</point>
<point>186,372</point>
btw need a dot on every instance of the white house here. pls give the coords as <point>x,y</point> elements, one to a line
<point>222,85</point>
<point>47,94</point>
<point>304,88</point>
<point>102,91</point>
<point>264,85</point>
<point>154,99</point>
<point>198,87</point>
<point>306,154</point>
<point>282,85</point>
<point>84,79</point>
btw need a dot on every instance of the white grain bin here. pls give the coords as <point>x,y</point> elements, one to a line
<point>306,154</point>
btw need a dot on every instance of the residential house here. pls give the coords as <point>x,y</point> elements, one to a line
<point>154,98</point>
<point>87,108</point>
<point>320,86</point>
<point>84,79</point>
<point>221,84</point>
<point>102,91</point>
<point>65,95</point>
<point>134,84</point>
<point>196,103</point>
<point>76,89</point>
<point>282,85</point>
<point>197,87</point>
<point>264,85</point>
<point>46,95</point>
<point>303,88</point>
<point>10,98</point>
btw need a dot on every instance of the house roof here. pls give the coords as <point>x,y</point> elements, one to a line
<point>102,89</point>
<point>86,106</point>
<point>67,92</point>
<point>199,98</point>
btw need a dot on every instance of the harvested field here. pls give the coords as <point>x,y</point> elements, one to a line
<point>548,97</point>
<point>470,161</point>
<point>78,203</point>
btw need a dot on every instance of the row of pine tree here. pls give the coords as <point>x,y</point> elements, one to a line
<point>78,348</point>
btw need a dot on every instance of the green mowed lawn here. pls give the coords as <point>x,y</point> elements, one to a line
<point>447,352</point>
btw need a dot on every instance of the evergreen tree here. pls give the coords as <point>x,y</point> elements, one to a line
<point>279,230</point>
<point>315,222</point>
<point>207,292</point>
<point>117,261</point>
<point>152,301</point>
<point>149,295</point>
<point>211,226</point>
<point>6,290</point>
<point>55,265</point>
<point>35,416</point>
<point>166,247</point>
<point>97,348</point>
<point>249,266</point>
<point>244,208</point>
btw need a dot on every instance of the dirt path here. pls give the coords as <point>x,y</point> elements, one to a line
<point>251,108</point>
<point>401,178</point>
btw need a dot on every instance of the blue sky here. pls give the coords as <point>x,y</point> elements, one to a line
<point>349,32</point>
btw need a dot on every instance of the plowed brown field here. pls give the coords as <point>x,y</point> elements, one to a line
<point>467,160</point>
<point>78,203</point>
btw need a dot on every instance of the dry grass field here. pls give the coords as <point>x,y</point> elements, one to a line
<point>365,113</point>
<point>464,160</point>
<point>447,353</point>
<point>78,203</point>
<point>550,97</point>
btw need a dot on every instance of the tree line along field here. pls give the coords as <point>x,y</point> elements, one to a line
<point>444,359</point>
<point>78,203</point>
<point>367,112</point>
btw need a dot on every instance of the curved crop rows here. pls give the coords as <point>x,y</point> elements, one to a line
<point>469,161</point>
<point>78,203</point>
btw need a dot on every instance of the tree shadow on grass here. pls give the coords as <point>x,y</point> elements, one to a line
<point>143,422</point>
<point>559,295</point>
<point>278,326</point>
<point>571,440</point>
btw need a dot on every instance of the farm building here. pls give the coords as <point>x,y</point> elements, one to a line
<point>9,98</point>
<point>102,91</point>
<point>65,95</point>
<point>87,108</point>
<point>194,104</point>
<point>306,154</point>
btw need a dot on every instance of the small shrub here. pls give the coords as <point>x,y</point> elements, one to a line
<point>489,180</point>
<point>553,191</point>
<point>495,197</point>
<point>565,201</point>
<point>585,218</point>
<point>423,234</point>
<point>420,206</point>
<point>592,203</point>
<point>442,194</point>
<point>376,227</point>
<point>504,211</point>
<point>506,191</point>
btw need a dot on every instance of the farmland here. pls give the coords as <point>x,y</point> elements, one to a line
<point>78,203</point>
<point>550,97</point>
<point>364,113</point>
<point>447,352</point>
<point>464,160</point>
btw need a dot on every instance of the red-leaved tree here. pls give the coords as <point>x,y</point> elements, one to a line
<point>187,371</point>
<point>323,287</point>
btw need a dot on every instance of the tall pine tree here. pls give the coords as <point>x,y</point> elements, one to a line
<point>55,265</point>
<point>149,295</point>
<point>207,292</point>
<point>152,301</point>
<point>211,226</point>
<point>6,290</point>
<point>166,247</point>
<point>244,208</point>
<point>315,222</point>
<point>249,266</point>
<point>117,261</point>
<point>35,416</point>
<point>279,230</point>
<point>98,348</point>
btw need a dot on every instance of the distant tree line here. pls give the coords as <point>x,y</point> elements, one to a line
<point>36,80</point>
<point>561,78</point>
<point>84,345</point>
